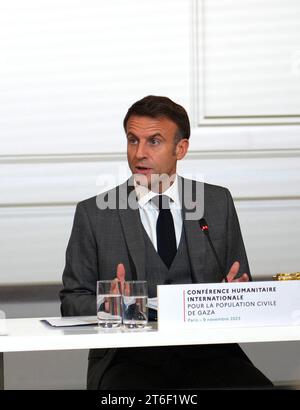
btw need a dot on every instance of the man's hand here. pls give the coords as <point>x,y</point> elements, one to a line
<point>115,286</point>
<point>121,277</point>
<point>121,272</point>
<point>234,270</point>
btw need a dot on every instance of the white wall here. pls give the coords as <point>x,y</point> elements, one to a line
<point>70,69</point>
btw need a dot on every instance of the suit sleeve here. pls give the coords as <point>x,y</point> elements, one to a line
<point>235,250</point>
<point>78,296</point>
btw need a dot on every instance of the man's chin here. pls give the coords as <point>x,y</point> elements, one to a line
<point>154,182</point>
<point>142,179</point>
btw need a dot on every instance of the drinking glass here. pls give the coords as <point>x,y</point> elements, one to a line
<point>109,303</point>
<point>135,298</point>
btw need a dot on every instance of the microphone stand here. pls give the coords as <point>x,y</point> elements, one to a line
<point>204,228</point>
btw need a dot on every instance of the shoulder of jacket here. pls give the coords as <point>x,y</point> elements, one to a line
<point>94,203</point>
<point>207,187</point>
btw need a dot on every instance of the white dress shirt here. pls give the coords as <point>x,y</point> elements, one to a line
<point>149,211</point>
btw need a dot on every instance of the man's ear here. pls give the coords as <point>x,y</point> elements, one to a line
<point>182,148</point>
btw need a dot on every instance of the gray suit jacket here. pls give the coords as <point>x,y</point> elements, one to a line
<point>102,238</point>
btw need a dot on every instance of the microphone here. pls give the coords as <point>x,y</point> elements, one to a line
<point>204,228</point>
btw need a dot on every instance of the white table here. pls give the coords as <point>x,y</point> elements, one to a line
<point>31,334</point>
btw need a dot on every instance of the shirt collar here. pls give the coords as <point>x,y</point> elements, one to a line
<point>144,195</point>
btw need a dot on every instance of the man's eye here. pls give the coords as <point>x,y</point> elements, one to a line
<point>154,141</point>
<point>132,141</point>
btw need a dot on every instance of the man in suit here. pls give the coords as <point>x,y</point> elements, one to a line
<point>126,232</point>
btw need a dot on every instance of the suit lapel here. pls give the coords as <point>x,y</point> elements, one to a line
<point>132,227</point>
<point>194,236</point>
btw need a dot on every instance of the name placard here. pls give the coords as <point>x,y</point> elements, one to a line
<point>229,304</point>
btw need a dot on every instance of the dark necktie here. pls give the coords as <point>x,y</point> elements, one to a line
<point>165,231</point>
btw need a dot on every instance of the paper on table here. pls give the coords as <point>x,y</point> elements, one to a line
<point>85,320</point>
<point>71,321</point>
<point>152,303</point>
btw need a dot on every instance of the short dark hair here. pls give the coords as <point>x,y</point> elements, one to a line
<point>155,107</point>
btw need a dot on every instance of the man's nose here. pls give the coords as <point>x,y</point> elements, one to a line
<point>141,151</point>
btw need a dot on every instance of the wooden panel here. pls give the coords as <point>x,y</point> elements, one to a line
<point>248,176</point>
<point>70,70</point>
<point>33,243</point>
<point>250,61</point>
<point>271,233</point>
<point>59,180</point>
<point>33,240</point>
<point>63,181</point>
<point>38,202</point>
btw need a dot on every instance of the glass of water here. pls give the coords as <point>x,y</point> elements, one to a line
<point>109,303</point>
<point>135,298</point>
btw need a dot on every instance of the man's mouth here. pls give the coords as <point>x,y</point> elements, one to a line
<point>142,170</point>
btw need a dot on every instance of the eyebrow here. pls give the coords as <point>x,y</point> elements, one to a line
<point>157,134</point>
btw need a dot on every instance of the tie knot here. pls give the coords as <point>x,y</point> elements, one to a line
<point>161,201</point>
